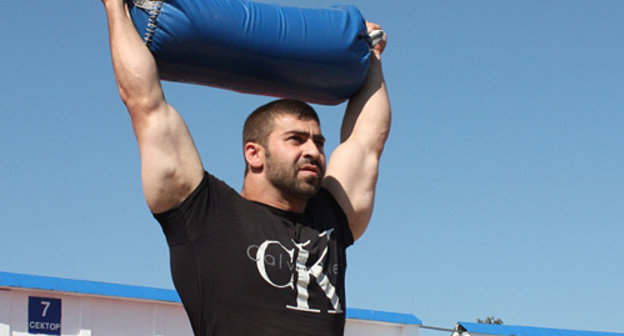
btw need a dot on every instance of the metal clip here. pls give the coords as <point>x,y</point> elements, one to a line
<point>375,37</point>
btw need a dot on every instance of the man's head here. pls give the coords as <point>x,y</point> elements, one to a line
<point>288,136</point>
<point>259,123</point>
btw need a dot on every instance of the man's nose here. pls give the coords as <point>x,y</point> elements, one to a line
<point>311,149</point>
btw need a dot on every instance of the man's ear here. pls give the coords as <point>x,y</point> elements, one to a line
<point>254,155</point>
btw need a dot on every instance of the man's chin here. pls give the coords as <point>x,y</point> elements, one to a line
<point>313,182</point>
<point>308,189</point>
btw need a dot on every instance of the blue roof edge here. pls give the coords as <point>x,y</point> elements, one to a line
<point>47,283</point>
<point>380,316</point>
<point>86,287</point>
<point>503,329</point>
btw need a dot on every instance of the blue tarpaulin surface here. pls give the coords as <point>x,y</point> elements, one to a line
<point>318,55</point>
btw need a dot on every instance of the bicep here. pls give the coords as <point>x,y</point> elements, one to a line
<point>170,164</point>
<point>351,178</point>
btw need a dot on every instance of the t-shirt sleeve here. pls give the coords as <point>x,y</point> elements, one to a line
<point>182,222</point>
<point>341,224</point>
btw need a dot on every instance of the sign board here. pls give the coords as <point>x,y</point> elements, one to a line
<point>44,316</point>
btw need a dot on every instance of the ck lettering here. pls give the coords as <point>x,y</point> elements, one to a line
<point>307,278</point>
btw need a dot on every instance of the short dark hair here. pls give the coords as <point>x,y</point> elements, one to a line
<point>260,122</point>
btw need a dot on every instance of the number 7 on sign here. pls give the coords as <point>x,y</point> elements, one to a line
<point>46,305</point>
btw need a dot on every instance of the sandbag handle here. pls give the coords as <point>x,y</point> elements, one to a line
<point>374,37</point>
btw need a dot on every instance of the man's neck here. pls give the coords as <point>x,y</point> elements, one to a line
<point>269,195</point>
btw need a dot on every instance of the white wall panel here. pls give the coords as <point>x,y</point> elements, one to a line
<point>90,315</point>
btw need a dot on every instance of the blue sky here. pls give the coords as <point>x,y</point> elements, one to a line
<point>501,187</point>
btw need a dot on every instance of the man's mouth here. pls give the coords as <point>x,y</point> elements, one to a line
<point>311,168</point>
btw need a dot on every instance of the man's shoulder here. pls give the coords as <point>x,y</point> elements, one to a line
<point>323,196</point>
<point>210,189</point>
<point>323,202</point>
<point>328,213</point>
<point>215,183</point>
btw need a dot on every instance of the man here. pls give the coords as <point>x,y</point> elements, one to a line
<point>270,260</point>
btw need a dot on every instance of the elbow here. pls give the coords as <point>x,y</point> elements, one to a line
<point>376,136</point>
<point>141,103</point>
<point>370,142</point>
<point>382,136</point>
<point>377,143</point>
<point>379,149</point>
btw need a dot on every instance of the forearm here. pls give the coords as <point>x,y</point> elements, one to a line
<point>135,68</point>
<point>368,116</point>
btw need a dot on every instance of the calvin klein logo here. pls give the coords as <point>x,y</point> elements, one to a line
<point>286,258</point>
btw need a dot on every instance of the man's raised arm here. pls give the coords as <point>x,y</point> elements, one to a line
<point>354,165</point>
<point>170,165</point>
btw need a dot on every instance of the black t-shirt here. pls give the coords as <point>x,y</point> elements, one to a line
<point>245,268</point>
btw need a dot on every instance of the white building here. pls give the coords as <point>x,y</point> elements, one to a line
<point>36,305</point>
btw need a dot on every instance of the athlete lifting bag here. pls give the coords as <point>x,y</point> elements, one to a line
<point>316,55</point>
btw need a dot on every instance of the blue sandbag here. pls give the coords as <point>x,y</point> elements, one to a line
<point>315,55</point>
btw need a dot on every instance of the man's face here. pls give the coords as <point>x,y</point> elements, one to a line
<point>295,160</point>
